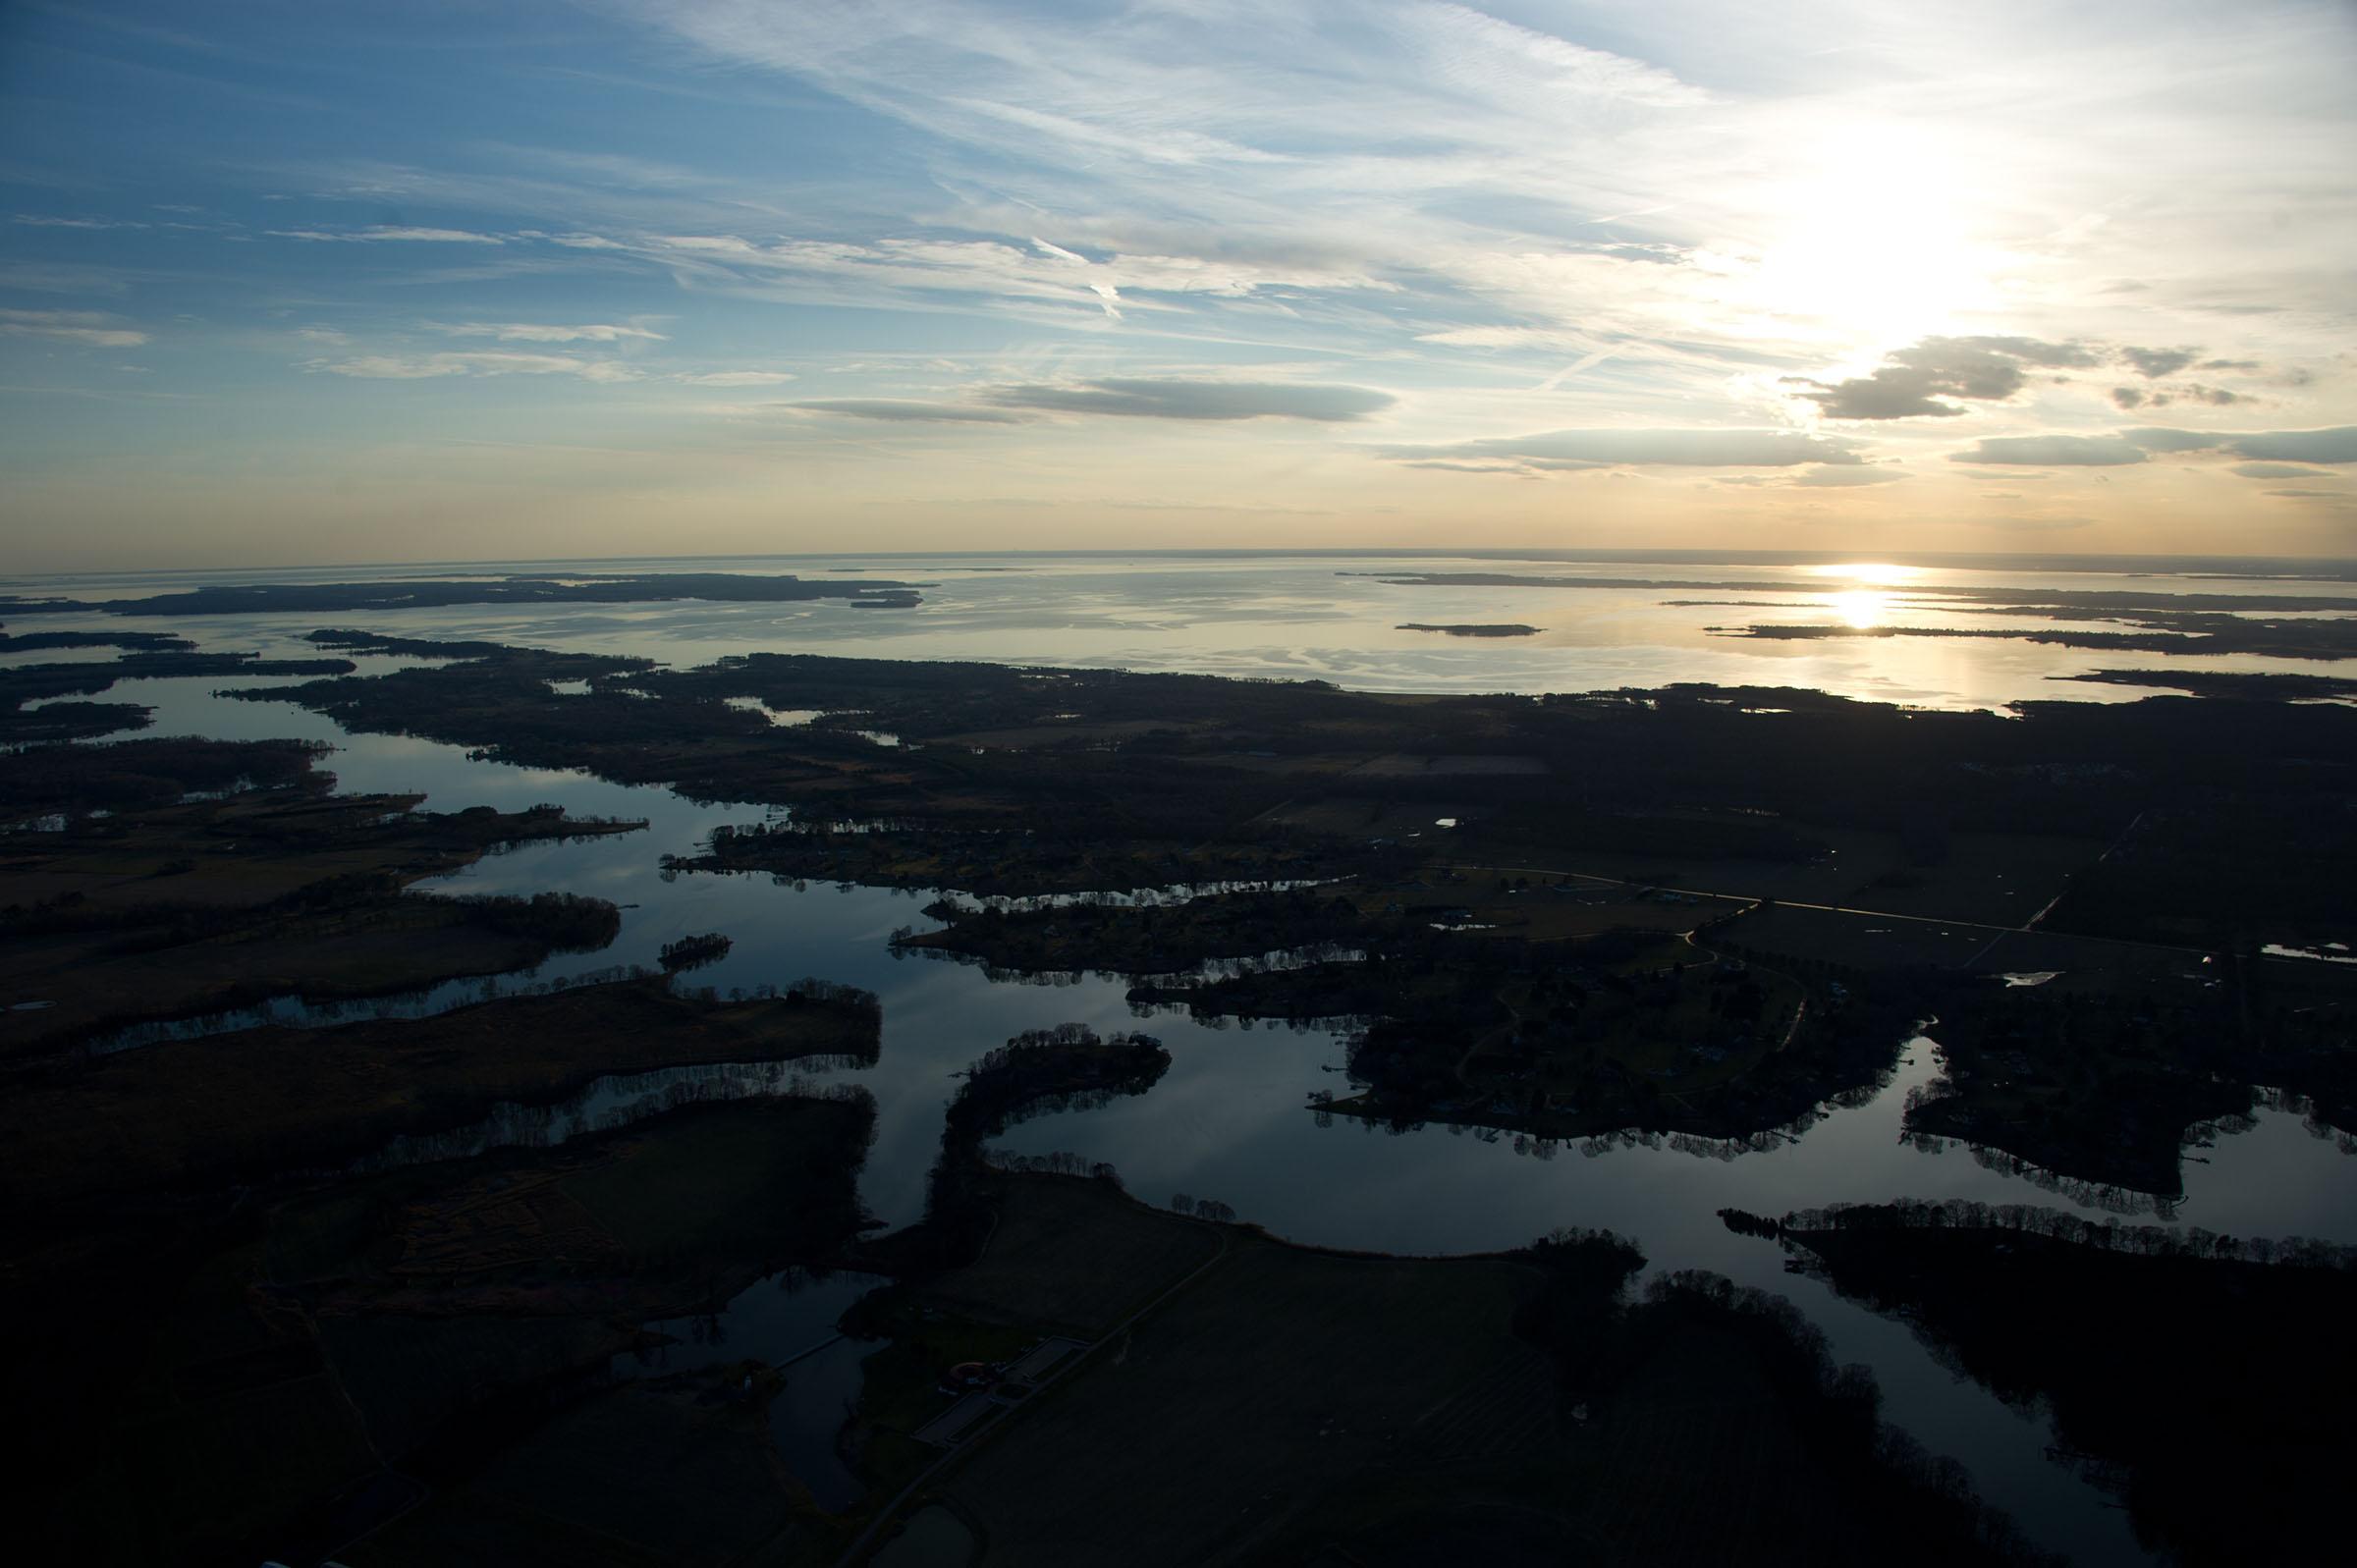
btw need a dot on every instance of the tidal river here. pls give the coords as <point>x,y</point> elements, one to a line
<point>1229,1121</point>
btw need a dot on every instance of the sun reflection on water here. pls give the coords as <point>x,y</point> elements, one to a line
<point>1861,607</point>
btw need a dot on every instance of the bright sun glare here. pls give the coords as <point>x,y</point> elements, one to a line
<point>1875,241</point>
<point>1867,603</point>
<point>1861,607</point>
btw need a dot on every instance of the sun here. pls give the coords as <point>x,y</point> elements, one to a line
<point>1868,243</point>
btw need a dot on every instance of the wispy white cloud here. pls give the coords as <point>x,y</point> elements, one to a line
<point>1574,449</point>
<point>2279,470</point>
<point>36,220</point>
<point>2054,451</point>
<point>2267,448</point>
<point>389,233</point>
<point>906,268</point>
<point>428,366</point>
<point>1143,398</point>
<point>86,327</point>
<point>537,332</point>
<point>908,411</point>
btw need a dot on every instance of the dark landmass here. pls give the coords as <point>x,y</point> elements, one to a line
<point>1560,1029</point>
<point>1695,911</point>
<point>327,598</point>
<point>166,906</point>
<point>1524,1413</point>
<point>1490,838</point>
<point>2229,683</point>
<point>384,642</point>
<point>1496,629</point>
<point>57,720</point>
<point>2105,1078</point>
<point>1660,1039</point>
<point>135,641</point>
<point>2217,874</point>
<point>70,721</point>
<point>691,953</point>
<point>280,1377</point>
<point>1152,940</point>
<point>1016,861</point>
<point>264,1359</point>
<point>2194,634</point>
<point>77,977</point>
<point>1037,1072</point>
<point>79,781</point>
<point>199,1113</point>
<point>2212,1384</point>
<point>1086,764</point>
<point>23,684</point>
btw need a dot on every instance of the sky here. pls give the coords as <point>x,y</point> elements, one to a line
<point>304,283</point>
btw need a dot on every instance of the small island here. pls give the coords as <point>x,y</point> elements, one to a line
<point>1504,628</point>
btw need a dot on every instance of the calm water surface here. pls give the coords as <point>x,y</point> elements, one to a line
<point>1322,617</point>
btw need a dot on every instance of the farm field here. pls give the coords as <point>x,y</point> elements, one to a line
<point>1237,1402</point>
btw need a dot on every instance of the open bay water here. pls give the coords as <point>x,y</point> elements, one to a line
<point>1328,616</point>
<point>1231,1120</point>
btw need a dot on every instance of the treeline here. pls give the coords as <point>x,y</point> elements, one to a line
<point>1037,1068</point>
<point>806,992</point>
<point>127,774</point>
<point>690,952</point>
<point>2103,1235</point>
<point>1822,1458</point>
<point>1054,1162</point>
<point>563,922</point>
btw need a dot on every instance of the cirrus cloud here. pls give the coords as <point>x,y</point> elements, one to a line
<point>88,328</point>
<point>536,332</point>
<point>432,366</point>
<point>2335,445</point>
<point>1140,397</point>
<point>1573,449</point>
<point>2279,470</point>
<point>2054,451</point>
<point>389,232</point>
<point>908,411</point>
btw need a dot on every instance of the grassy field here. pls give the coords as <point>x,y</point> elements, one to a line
<point>635,1477</point>
<point>1988,878</point>
<point>207,904</point>
<point>1849,940</point>
<point>1273,1376</point>
<point>1288,1406</point>
<point>1536,907</point>
<point>96,980</point>
<point>249,849</point>
<point>1660,1035</point>
<point>210,1109</point>
<point>397,1318</point>
<point>1075,1258</point>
